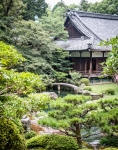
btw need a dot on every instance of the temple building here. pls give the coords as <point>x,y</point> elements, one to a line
<point>86,30</point>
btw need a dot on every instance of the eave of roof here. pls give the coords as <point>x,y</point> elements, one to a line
<point>76,44</point>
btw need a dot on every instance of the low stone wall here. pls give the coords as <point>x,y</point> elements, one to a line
<point>96,96</point>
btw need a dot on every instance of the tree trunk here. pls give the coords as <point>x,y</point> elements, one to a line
<point>78,136</point>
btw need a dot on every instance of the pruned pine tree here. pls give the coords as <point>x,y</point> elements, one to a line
<point>74,115</point>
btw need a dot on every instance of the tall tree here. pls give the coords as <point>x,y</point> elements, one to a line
<point>105,6</point>
<point>10,8</point>
<point>74,7</point>
<point>53,23</point>
<point>84,5</point>
<point>10,11</point>
<point>35,44</point>
<point>59,4</point>
<point>34,7</point>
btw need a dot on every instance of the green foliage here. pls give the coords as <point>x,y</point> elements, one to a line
<point>75,76</point>
<point>53,23</point>
<point>32,8</point>
<point>30,134</point>
<point>10,138</point>
<point>60,76</point>
<point>20,83</point>
<point>14,107</point>
<point>105,6</point>
<point>110,67</point>
<point>109,91</point>
<point>53,142</point>
<point>106,115</point>
<point>110,140</point>
<point>14,84</point>
<point>59,5</point>
<point>10,11</point>
<point>31,34</point>
<point>73,111</point>
<point>35,44</point>
<point>38,101</point>
<point>68,113</point>
<point>85,81</point>
<point>10,8</point>
<point>60,61</point>
<point>88,88</point>
<point>9,56</point>
<point>74,7</point>
<point>34,39</point>
<point>84,5</point>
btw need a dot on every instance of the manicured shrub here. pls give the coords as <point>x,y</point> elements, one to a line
<point>53,142</point>
<point>88,88</point>
<point>30,134</point>
<point>110,141</point>
<point>10,138</point>
<point>85,81</point>
<point>109,91</point>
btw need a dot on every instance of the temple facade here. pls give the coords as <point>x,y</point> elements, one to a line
<point>86,30</point>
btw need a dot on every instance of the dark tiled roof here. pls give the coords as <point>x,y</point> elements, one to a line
<point>95,26</point>
<point>103,26</point>
<point>76,44</point>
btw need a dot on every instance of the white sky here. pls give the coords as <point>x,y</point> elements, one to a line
<point>68,2</point>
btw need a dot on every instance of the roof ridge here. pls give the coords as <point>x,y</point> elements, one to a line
<point>96,15</point>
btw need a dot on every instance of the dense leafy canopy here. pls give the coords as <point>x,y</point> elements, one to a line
<point>110,67</point>
<point>105,6</point>
<point>10,8</point>
<point>74,114</point>
<point>53,23</point>
<point>13,82</point>
<point>33,8</point>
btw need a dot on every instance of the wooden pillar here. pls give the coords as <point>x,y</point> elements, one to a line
<point>80,64</point>
<point>90,62</point>
<point>85,66</point>
<point>58,89</point>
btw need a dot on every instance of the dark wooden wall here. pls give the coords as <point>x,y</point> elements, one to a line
<point>83,64</point>
<point>72,31</point>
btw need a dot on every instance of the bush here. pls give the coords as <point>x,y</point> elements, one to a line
<point>88,88</point>
<point>85,81</point>
<point>109,91</point>
<point>30,134</point>
<point>110,141</point>
<point>10,138</point>
<point>53,142</point>
<point>75,76</point>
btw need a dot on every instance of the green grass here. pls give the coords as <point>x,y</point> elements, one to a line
<point>101,87</point>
